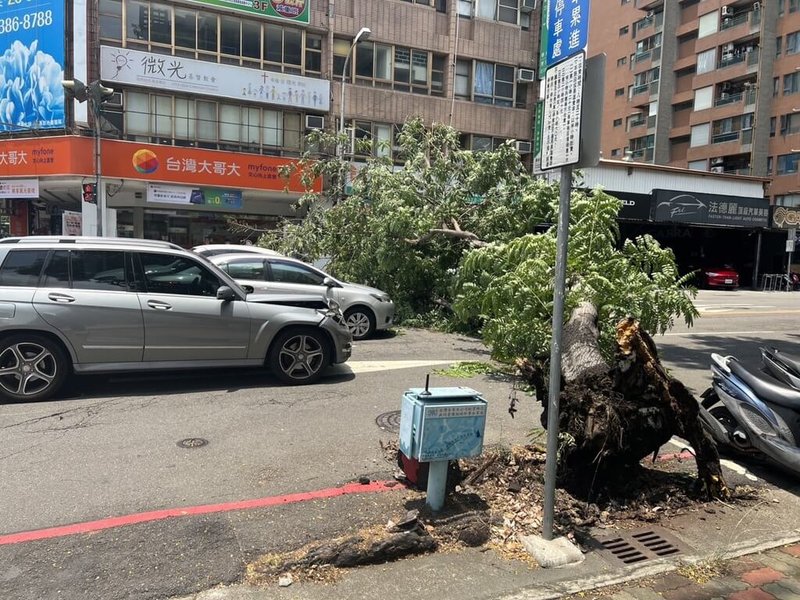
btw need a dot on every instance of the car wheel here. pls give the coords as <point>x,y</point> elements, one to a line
<point>360,321</point>
<point>32,367</point>
<point>299,355</point>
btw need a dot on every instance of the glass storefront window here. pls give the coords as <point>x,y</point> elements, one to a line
<point>111,19</point>
<point>136,22</point>
<point>230,39</point>
<point>207,32</point>
<point>160,24</point>
<point>185,28</point>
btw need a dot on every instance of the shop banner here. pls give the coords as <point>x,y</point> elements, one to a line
<point>32,63</point>
<point>635,207</point>
<point>58,155</point>
<point>709,209</point>
<point>19,188</point>
<point>177,74</point>
<point>296,11</point>
<point>70,223</point>
<point>784,217</point>
<point>197,167</point>
<point>212,197</point>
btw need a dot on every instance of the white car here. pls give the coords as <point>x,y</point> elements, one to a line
<point>365,309</point>
<point>209,250</point>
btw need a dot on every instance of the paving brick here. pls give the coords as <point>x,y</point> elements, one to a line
<point>670,581</point>
<point>738,566</point>
<point>690,592</point>
<point>751,594</point>
<point>761,576</point>
<point>781,592</point>
<point>790,584</point>
<point>774,560</point>
<point>793,550</point>
<point>726,585</point>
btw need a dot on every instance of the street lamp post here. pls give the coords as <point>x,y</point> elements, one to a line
<point>363,34</point>
<point>95,94</point>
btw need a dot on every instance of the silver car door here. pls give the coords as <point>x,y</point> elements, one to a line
<point>183,319</point>
<point>85,295</point>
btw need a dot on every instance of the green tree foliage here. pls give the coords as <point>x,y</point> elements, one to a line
<point>509,286</point>
<point>471,230</point>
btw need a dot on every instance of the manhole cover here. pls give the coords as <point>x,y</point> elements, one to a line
<point>389,421</point>
<point>640,545</point>
<point>192,443</point>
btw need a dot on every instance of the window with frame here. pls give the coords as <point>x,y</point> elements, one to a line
<point>624,30</point>
<point>791,83</point>
<point>98,270</point>
<point>493,84</point>
<point>707,61</point>
<point>394,67</point>
<point>793,43</point>
<point>184,121</point>
<point>787,163</point>
<point>789,124</point>
<point>617,122</point>
<point>207,36</point>
<point>21,268</point>
<point>622,61</point>
<point>778,44</point>
<point>284,272</point>
<point>503,11</point>
<point>794,5</point>
<point>619,92</point>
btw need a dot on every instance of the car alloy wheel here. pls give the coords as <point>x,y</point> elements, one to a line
<point>360,322</point>
<point>31,368</point>
<point>299,355</point>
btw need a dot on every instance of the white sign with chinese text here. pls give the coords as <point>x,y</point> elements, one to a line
<point>169,194</point>
<point>178,74</point>
<point>563,101</point>
<point>71,222</point>
<point>19,188</point>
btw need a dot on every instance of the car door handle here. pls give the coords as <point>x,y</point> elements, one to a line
<point>62,298</point>
<point>159,305</point>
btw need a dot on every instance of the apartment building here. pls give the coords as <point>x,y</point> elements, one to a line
<point>709,85</point>
<point>212,97</point>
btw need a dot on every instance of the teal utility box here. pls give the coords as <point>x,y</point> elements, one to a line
<point>441,424</point>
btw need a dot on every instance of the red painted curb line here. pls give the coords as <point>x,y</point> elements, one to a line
<point>169,513</point>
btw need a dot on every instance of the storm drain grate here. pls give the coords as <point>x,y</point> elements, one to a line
<point>640,545</point>
<point>389,421</point>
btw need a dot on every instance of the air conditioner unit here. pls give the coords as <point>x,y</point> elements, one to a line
<point>727,11</point>
<point>523,147</point>
<point>315,122</point>
<point>528,6</point>
<point>526,75</point>
<point>756,6</point>
<point>650,14</point>
<point>727,47</point>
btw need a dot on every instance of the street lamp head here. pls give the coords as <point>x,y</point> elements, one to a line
<point>363,34</point>
<point>76,88</point>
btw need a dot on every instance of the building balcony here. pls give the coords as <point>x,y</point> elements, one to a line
<point>734,21</point>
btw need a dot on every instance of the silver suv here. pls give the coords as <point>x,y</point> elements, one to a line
<point>102,305</point>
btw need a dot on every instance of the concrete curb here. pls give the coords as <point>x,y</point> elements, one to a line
<point>560,589</point>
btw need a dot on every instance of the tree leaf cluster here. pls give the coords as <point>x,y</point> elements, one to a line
<point>471,235</point>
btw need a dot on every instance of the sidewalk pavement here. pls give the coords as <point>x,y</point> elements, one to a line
<point>770,575</point>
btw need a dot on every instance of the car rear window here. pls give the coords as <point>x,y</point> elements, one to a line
<point>22,268</point>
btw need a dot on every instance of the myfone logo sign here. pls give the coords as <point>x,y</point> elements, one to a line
<point>786,217</point>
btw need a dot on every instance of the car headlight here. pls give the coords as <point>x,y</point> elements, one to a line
<point>381,297</point>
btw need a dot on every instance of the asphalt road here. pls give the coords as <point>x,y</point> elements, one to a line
<point>111,448</point>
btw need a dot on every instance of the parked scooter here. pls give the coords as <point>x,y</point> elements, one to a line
<point>749,412</point>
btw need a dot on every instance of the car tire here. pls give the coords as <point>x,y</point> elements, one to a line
<point>360,321</point>
<point>299,355</point>
<point>32,367</point>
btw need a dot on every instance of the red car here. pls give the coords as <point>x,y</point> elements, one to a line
<point>722,277</point>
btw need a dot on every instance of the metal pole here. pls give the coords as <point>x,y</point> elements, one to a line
<point>341,100</point>
<point>559,286</point>
<point>97,164</point>
<point>758,261</point>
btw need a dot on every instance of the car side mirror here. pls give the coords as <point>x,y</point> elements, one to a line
<point>225,293</point>
<point>328,282</point>
<point>248,288</point>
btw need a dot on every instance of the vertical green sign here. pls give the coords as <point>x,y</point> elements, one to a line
<point>543,42</point>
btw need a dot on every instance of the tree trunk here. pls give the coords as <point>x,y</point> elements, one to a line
<point>611,417</point>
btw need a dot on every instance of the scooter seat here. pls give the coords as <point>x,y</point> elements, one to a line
<point>791,360</point>
<point>765,387</point>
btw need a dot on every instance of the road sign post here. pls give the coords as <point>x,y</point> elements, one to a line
<point>567,35</point>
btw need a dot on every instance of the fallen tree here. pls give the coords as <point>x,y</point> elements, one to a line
<point>614,415</point>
